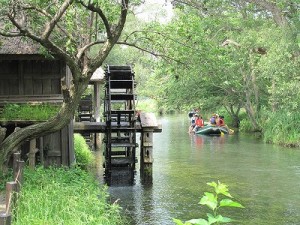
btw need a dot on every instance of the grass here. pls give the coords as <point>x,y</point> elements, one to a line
<point>64,196</point>
<point>40,112</point>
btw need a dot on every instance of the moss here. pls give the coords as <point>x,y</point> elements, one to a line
<point>39,112</point>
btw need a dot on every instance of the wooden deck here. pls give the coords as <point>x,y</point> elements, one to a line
<point>100,127</point>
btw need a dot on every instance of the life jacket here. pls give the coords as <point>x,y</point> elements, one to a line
<point>199,122</point>
<point>221,122</point>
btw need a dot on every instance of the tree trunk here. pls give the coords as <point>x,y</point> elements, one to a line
<point>234,115</point>
<point>54,124</point>
<point>250,93</point>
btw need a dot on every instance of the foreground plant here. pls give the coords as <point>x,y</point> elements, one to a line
<point>213,202</point>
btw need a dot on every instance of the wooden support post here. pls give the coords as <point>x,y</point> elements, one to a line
<point>97,104</point>
<point>42,150</point>
<point>17,157</point>
<point>149,124</point>
<point>19,178</point>
<point>146,155</point>
<point>2,133</point>
<point>5,218</point>
<point>32,151</point>
<point>11,189</point>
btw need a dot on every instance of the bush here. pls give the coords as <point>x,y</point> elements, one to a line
<point>83,154</point>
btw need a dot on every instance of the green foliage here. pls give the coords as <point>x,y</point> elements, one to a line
<point>63,196</point>
<point>214,201</point>
<point>146,105</point>
<point>40,112</point>
<point>246,126</point>
<point>84,157</point>
<point>281,127</point>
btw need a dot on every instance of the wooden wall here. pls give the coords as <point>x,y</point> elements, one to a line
<point>27,78</point>
<point>31,77</point>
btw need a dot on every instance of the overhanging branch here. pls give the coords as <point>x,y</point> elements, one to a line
<point>50,26</point>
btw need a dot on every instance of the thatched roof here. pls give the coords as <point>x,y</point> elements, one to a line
<point>18,45</point>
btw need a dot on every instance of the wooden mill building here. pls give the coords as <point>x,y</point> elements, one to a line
<point>29,77</point>
<point>26,76</point>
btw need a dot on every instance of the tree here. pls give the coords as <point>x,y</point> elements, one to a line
<point>224,53</point>
<point>67,30</point>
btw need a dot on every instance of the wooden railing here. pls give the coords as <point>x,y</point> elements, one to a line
<point>12,188</point>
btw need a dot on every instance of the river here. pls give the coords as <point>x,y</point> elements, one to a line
<point>264,178</point>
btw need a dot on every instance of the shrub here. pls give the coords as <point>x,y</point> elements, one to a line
<point>83,154</point>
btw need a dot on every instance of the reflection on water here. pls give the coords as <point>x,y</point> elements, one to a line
<point>264,178</point>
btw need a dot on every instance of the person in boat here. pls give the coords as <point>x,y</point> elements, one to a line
<point>193,123</point>
<point>198,123</point>
<point>193,112</point>
<point>221,122</point>
<point>217,118</point>
<point>212,120</point>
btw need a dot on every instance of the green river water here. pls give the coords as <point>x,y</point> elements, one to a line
<point>263,177</point>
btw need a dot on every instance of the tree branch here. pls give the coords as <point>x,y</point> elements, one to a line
<point>150,52</point>
<point>44,12</point>
<point>274,9</point>
<point>84,48</point>
<point>98,10</point>
<point>50,26</point>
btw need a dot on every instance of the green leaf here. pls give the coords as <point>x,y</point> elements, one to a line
<point>177,221</point>
<point>198,221</point>
<point>212,184</point>
<point>229,203</point>
<point>217,219</point>
<point>222,189</point>
<point>210,200</point>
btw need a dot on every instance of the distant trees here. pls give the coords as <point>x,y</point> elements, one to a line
<point>233,54</point>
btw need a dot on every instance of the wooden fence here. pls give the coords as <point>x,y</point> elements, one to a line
<point>12,190</point>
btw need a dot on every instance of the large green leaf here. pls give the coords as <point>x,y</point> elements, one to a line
<point>210,200</point>
<point>229,203</point>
